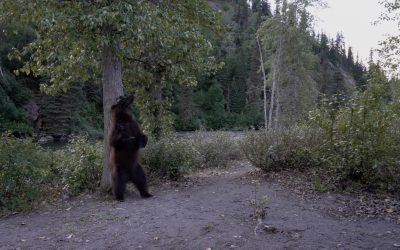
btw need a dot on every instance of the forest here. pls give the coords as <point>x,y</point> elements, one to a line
<point>229,98</point>
<point>229,92</point>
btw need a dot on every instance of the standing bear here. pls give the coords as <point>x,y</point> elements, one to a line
<point>126,138</point>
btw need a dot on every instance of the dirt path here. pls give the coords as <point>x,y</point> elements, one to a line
<point>205,212</point>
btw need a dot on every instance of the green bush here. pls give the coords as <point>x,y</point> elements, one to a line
<point>214,149</point>
<point>362,142</point>
<point>243,121</point>
<point>186,124</point>
<point>172,157</point>
<point>80,165</point>
<point>291,148</point>
<point>27,170</point>
<point>24,169</point>
<point>168,157</point>
<point>352,141</point>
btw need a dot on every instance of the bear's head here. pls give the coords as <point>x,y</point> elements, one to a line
<point>124,121</point>
<point>123,103</point>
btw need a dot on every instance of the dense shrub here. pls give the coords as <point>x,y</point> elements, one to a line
<point>27,170</point>
<point>80,165</point>
<point>186,124</point>
<point>168,157</point>
<point>248,119</point>
<point>172,157</point>
<point>24,169</point>
<point>272,150</point>
<point>352,140</point>
<point>362,139</point>
<point>215,150</point>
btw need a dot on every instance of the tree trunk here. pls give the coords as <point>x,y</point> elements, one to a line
<point>271,108</point>
<point>265,87</point>
<point>228,99</point>
<point>278,108</point>
<point>277,73</point>
<point>112,89</point>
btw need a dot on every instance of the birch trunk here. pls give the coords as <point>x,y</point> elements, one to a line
<point>271,108</point>
<point>278,109</point>
<point>278,70</point>
<point>112,89</point>
<point>265,85</point>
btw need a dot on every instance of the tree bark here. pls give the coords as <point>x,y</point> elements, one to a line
<point>271,108</point>
<point>265,87</point>
<point>277,72</point>
<point>112,89</point>
<point>228,99</point>
<point>278,109</point>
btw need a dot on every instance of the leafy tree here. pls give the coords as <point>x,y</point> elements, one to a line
<point>13,89</point>
<point>178,56</point>
<point>286,41</point>
<point>12,96</point>
<point>390,48</point>
<point>362,136</point>
<point>80,40</point>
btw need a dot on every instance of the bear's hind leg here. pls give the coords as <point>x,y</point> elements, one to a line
<point>139,179</point>
<point>119,186</point>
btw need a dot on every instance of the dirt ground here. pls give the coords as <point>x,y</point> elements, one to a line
<point>210,210</point>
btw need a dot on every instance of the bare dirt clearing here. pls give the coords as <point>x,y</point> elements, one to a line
<point>211,209</point>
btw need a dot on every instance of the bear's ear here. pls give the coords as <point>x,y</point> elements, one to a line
<point>114,106</point>
<point>118,103</point>
<point>129,100</point>
<point>142,140</point>
<point>123,102</point>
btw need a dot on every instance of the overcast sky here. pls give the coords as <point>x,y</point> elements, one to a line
<point>354,19</point>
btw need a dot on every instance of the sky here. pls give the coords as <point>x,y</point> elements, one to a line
<point>354,18</point>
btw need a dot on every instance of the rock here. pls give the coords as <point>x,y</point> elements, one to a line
<point>270,229</point>
<point>46,139</point>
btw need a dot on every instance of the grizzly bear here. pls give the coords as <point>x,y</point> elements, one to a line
<point>125,140</point>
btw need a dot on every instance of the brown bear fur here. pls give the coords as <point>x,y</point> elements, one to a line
<point>126,138</point>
